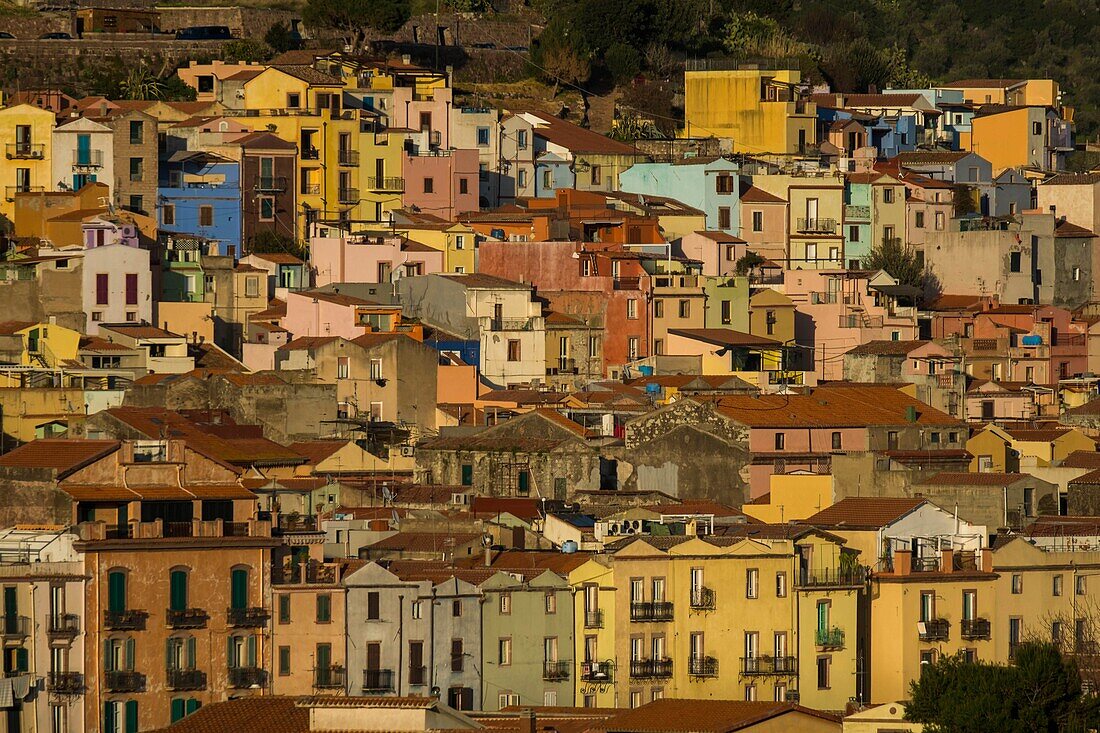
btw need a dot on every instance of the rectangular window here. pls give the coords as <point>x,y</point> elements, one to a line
<point>758,221</point>
<point>823,664</point>
<point>927,605</point>
<point>513,350</point>
<point>780,585</point>
<point>293,100</point>
<point>1056,585</point>
<point>632,308</point>
<point>632,347</point>
<point>131,288</point>
<point>780,441</point>
<point>727,312</point>
<point>482,137</point>
<point>837,440</point>
<point>551,602</point>
<point>284,609</point>
<point>267,208</point>
<point>458,658</point>
<point>429,185</point>
<point>684,309</point>
<point>596,178</point>
<point>1017,584</point>
<point>456,609</point>
<point>918,220</point>
<point>505,603</point>
<point>752,583</point>
<point>1014,261</point>
<point>463,185</point>
<point>168,215</point>
<point>101,291</point>
<point>343,367</point>
<point>888,195</point>
<point>252,286</point>
<point>324,608</point>
<point>206,216</point>
<point>658,308</point>
<point>504,649</point>
<point>284,661</point>
<point>724,220</point>
<point>137,169</point>
<point>1079,587</point>
<point>373,612</point>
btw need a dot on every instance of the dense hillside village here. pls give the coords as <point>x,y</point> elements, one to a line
<point>339,394</point>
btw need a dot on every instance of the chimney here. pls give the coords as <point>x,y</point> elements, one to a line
<point>903,562</point>
<point>987,560</point>
<point>947,560</point>
<point>406,58</point>
<point>528,724</point>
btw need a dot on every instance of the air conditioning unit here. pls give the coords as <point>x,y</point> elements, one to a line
<point>461,499</point>
<point>408,451</point>
<point>612,529</point>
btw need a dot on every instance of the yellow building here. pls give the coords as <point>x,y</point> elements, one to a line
<point>885,718</point>
<point>1017,92</point>
<point>44,345</point>
<point>456,240</point>
<point>761,110</point>
<point>597,673</point>
<point>1020,137</point>
<point>792,497</point>
<point>25,166</point>
<point>771,314</point>
<point>816,214</point>
<point>999,450</point>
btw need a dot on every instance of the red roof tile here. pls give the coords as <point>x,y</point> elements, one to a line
<point>60,455</point>
<point>865,511</point>
<point>833,406</point>
<point>680,715</point>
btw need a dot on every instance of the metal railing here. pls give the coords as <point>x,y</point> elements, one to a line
<point>301,574</point>
<point>703,667</point>
<point>271,184</point>
<point>626,283</point>
<point>62,624</point>
<point>311,189</point>
<point>186,679</point>
<point>65,683</point>
<point>937,629</point>
<point>26,151</point>
<point>245,677</point>
<point>251,617</point>
<point>124,681</point>
<point>87,158</point>
<point>385,183</point>
<point>334,676</point>
<point>186,618</point>
<point>11,191</point>
<point>702,598</point>
<point>832,638</point>
<point>349,195</point>
<point>856,211</point>
<point>816,226</point>
<point>833,577</point>
<point>555,671</point>
<point>769,665</point>
<point>593,619</point>
<point>510,324</point>
<point>650,668</point>
<point>124,620</point>
<point>651,611</point>
<point>15,625</point>
<point>379,680</point>
<point>974,628</point>
<point>297,523</point>
<point>597,671</point>
<point>349,157</point>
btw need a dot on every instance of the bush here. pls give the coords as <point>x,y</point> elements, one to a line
<point>623,62</point>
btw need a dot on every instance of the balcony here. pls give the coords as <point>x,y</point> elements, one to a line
<point>702,599</point>
<point>124,620</point>
<point>247,618</point>
<point>974,628</point>
<point>555,671</point>
<point>349,195</point>
<point>15,627</point>
<point>62,626</point>
<point>641,669</point>
<point>775,666</point>
<point>860,320</point>
<point>242,678</point>
<point>852,211</point>
<point>703,667</point>
<point>418,675</point>
<point>297,523</point>
<point>626,283</point>
<point>597,672</point>
<point>186,618</point>
<point>332,677</point>
<point>349,157</point>
<point>390,184</point>
<point>510,324</point>
<point>829,638</point>
<point>26,151</point>
<point>65,683</point>
<point>309,152</point>
<point>816,226</point>
<point>565,365</point>
<point>119,681</point>
<point>313,573</point>
<point>593,619</point>
<point>654,611</point>
<point>833,577</point>
<point>271,184</point>
<point>186,679</point>
<point>935,630</point>
<point>379,680</point>
<point>11,191</point>
<point>157,529</point>
<point>311,189</point>
<point>87,159</point>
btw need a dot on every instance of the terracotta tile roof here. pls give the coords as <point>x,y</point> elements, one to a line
<point>61,455</point>
<point>308,74</point>
<point>426,541</point>
<point>541,560</point>
<point>302,56</point>
<point>886,348</point>
<point>925,157</point>
<point>306,343</point>
<point>279,258</point>
<point>516,506</point>
<point>10,328</point>
<point>724,337</point>
<point>482,281</point>
<point>316,451</point>
<point>332,297</point>
<point>1081,459</point>
<point>267,714</point>
<point>1073,179</point>
<point>1091,478</point>
<point>721,237</point>
<point>275,309</point>
<point>1069,230</point>
<point>948,478</point>
<point>955,302</point>
<point>835,406</point>
<point>1037,435</point>
<point>562,421</point>
<point>697,506</point>
<point>370,340</point>
<point>139,331</point>
<point>867,177</point>
<point>576,139</point>
<point>670,715</point>
<point>1089,408</point>
<point>754,195</point>
<point>438,572</point>
<point>1050,526</point>
<point>864,511</point>
<point>865,100</point>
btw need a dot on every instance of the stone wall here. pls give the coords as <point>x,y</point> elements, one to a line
<point>56,294</point>
<point>30,498</point>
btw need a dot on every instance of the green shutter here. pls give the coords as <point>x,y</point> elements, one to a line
<point>22,663</point>
<point>110,717</point>
<point>238,596</point>
<point>467,474</point>
<point>179,709</point>
<point>324,608</point>
<point>251,651</point>
<point>129,655</point>
<point>284,660</point>
<point>108,656</point>
<point>230,659</point>
<point>524,482</point>
<point>284,609</point>
<point>190,653</point>
<point>11,603</point>
<point>192,705</point>
<point>169,657</point>
<point>178,587</point>
<point>324,656</point>
<point>131,716</point>
<point>116,591</point>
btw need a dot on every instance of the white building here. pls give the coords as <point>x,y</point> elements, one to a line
<point>117,286</point>
<point>82,152</point>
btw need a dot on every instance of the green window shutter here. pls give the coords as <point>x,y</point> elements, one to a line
<point>190,653</point>
<point>524,482</point>
<point>230,658</point>
<point>110,717</point>
<point>284,660</point>
<point>116,591</point>
<point>129,655</point>
<point>169,657</point>
<point>178,587</point>
<point>284,609</point>
<point>179,709</point>
<point>238,596</point>
<point>324,608</point>
<point>467,474</point>
<point>192,705</point>
<point>108,656</point>
<point>11,602</point>
<point>131,716</point>
<point>251,651</point>
<point>324,655</point>
<point>22,663</point>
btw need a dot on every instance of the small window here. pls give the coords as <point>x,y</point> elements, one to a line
<point>684,309</point>
<point>284,661</point>
<point>918,220</point>
<point>837,440</point>
<point>632,308</point>
<point>463,185</point>
<point>206,216</point>
<point>373,606</point>
<point>168,215</point>
<point>780,441</point>
<point>1014,262</point>
<point>284,609</point>
<point>1017,584</point>
<point>429,185</point>
<point>758,221</point>
<point>1056,585</point>
<point>324,608</point>
<point>293,100</point>
<point>482,137</point>
<point>456,609</point>
<point>888,195</point>
<point>823,664</point>
<point>513,350</point>
<point>137,169</point>
<point>551,602</point>
<point>267,208</point>
<point>504,652</point>
<point>752,583</point>
<point>505,603</point>
<point>780,585</point>
<point>137,132</point>
<point>1079,587</point>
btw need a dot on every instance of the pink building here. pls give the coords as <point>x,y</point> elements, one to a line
<point>424,112</point>
<point>321,313</point>
<point>442,182</point>
<point>846,308</point>
<point>717,251</point>
<point>764,223</point>
<point>371,258</point>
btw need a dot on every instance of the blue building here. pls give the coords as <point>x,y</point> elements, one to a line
<point>199,193</point>
<point>711,185</point>
<point>552,172</point>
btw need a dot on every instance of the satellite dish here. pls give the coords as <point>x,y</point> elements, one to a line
<point>486,540</point>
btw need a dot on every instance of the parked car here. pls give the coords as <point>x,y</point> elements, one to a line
<point>55,37</point>
<point>5,34</point>
<point>204,33</point>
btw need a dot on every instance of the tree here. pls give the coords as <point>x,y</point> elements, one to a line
<point>1041,692</point>
<point>352,18</point>
<point>281,37</point>
<point>172,89</point>
<point>623,62</point>
<point>560,62</point>
<point>747,263</point>
<point>270,242</point>
<point>141,84</point>
<point>899,261</point>
<point>247,49</point>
